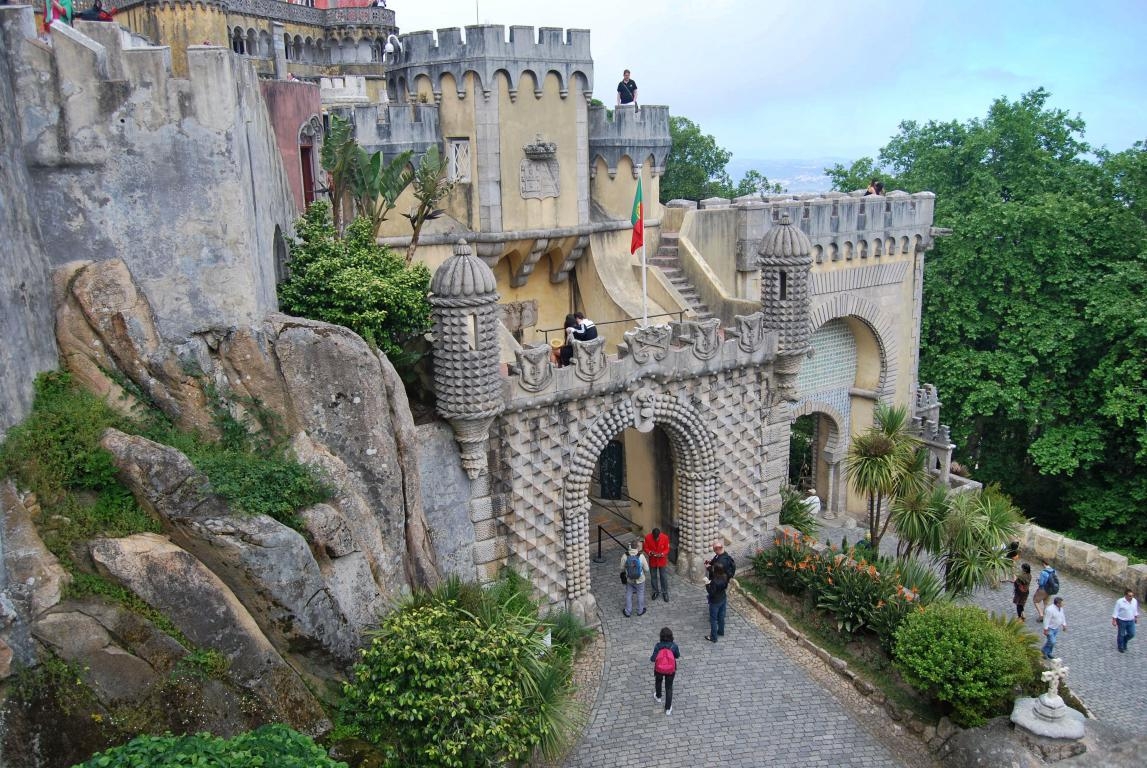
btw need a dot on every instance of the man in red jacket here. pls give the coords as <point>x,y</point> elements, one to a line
<point>657,550</point>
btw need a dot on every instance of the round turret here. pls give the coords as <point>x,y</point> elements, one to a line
<point>785,257</point>
<point>467,376</point>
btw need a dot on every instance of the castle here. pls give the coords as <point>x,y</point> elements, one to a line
<point>183,149</point>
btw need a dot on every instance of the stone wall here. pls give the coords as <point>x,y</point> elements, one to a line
<point>1064,553</point>
<point>25,288</point>
<point>181,179</point>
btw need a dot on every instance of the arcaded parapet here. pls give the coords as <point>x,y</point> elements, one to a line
<point>467,381</point>
<point>487,51</point>
<point>632,133</point>
<point>180,178</point>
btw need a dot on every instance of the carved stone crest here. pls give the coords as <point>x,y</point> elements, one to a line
<point>536,366</point>
<point>589,358</point>
<point>705,337</point>
<point>649,343</point>
<point>540,173</point>
<point>750,331</point>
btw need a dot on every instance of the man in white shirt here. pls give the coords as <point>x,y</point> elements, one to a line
<point>1054,622</point>
<point>1124,619</point>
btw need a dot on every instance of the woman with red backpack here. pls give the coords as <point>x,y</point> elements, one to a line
<point>664,657</point>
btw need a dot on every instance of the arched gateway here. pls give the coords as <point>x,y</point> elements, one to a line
<point>695,479</point>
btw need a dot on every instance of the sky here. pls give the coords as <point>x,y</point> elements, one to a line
<point>832,79</point>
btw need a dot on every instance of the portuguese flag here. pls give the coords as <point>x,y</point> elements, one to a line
<point>637,218</point>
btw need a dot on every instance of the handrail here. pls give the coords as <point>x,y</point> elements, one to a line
<point>600,531</point>
<point>596,479</point>
<point>615,512</point>
<point>680,315</point>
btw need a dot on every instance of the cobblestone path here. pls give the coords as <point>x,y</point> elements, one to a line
<point>1113,685</point>
<point>739,702</point>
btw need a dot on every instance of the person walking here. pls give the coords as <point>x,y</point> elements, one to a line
<point>664,657</point>
<point>716,588</point>
<point>634,568</point>
<point>1047,586</point>
<point>657,549</point>
<point>1124,619</point>
<point>1020,588</point>
<point>1054,622</point>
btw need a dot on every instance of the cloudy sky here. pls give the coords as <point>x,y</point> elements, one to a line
<point>829,78</point>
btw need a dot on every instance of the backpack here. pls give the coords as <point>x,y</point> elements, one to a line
<point>633,568</point>
<point>1052,586</point>
<point>665,663</point>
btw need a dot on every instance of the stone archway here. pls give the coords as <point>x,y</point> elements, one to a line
<point>844,305</point>
<point>833,454</point>
<point>695,471</point>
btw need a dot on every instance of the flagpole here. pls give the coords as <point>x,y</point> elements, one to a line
<point>644,291</point>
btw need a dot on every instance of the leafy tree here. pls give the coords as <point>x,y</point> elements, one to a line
<point>884,463</point>
<point>1033,307</point>
<point>354,282</point>
<point>372,186</point>
<point>430,185</point>
<point>697,167</point>
<point>461,677</point>
<point>856,176</point>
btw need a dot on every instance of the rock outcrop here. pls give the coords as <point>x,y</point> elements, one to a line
<point>209,614</point>
<point>339,403</point>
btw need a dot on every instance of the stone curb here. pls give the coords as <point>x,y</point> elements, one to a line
<point>933,736</point>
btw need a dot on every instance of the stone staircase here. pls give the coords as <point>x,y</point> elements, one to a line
<point>618,525</point>
<point>667,261</point>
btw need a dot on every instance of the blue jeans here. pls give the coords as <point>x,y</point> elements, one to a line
<point>659,581</point>
<point>630,589</point>
<point>717,619</point>
<point>1126,632</point>
<point>1049,646</point>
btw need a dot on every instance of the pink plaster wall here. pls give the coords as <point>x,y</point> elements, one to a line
<point>291,104</point>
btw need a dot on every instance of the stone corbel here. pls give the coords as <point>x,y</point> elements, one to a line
<point>538,93</point>
<point>513,95</point>
<point>636,171</point>
<point>563,270</point>
<point>526,268</point>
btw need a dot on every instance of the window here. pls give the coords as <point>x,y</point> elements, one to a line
<point>458,154</point>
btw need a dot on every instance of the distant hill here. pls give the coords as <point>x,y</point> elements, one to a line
<point>793,175</point>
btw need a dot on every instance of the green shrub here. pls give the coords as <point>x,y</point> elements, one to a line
<point>790,564</point>
<point>461,677</point>
<point>852,591</point>
<point>266,483</point>
<point>959,656</point>
<point>354,282</point>
<point>794,512</point>
<point>270,745</point>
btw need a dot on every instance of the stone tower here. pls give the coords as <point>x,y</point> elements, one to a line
<point>467,379</point>
<point>786,260</point>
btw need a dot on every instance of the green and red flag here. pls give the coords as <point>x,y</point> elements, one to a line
<point>637,218</point>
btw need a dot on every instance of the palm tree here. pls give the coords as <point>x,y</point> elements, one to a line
<point>885,462</point>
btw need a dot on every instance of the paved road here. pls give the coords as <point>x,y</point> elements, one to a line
<point>740,702</point>
<point>1113,685</point>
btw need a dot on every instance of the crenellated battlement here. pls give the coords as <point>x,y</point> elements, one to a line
<point>486,52</point>
<point>396,128</point>
<point>629,132</point>
<point>669,352</point>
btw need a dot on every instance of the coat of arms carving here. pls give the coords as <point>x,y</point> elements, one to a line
<point>649,343</point>
<point>536,366</point>
<point>750,331</point>
<point>589,358</point>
